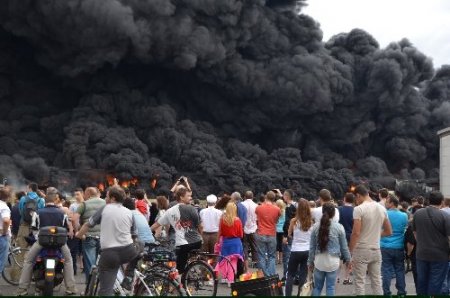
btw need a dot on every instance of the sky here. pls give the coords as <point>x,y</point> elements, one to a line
<point>426,23</point>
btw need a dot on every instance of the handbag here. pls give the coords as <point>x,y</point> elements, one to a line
<point>308,286</point>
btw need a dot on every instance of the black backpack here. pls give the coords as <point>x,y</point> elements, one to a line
<point>29,209</point>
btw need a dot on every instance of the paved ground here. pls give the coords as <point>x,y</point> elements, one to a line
<point>341,290</point>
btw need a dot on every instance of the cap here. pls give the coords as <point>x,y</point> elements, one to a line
<point>212,199</point>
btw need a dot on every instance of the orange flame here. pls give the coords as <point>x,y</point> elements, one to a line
<point>154,181</point>
<point>127,183</point>
<point>110,179</point>
<point>352,188</point>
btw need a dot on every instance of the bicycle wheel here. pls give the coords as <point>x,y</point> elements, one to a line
<point>11,272</point>
<point>92,284</point>
<point>157,284</point>
<point>14,264</point>
<point>19,254</point>
<point>199,279</point>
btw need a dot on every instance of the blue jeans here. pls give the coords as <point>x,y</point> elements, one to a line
<point>319,280</point>
<point>446,284</point>
<point>4,250</point>
<point>430,277</point>
<point>91,248</point>
<point>267,248</point>
<point>393,263</point>
<point>286,253</point>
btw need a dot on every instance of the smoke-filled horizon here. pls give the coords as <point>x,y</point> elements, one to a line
<point>234,94</point>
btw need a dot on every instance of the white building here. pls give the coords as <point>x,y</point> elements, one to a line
<point>444,161</point>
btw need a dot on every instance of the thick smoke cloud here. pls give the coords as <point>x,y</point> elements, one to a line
<point>234,94</point>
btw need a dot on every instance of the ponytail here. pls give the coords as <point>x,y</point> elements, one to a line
<point>328,211</point>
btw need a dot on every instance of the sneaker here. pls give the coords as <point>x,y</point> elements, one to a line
<point>126,283</point>
<point>22,292</point>
<point>348,282</point>
<point>71,292</point>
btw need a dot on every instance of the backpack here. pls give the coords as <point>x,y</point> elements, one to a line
<point>29,209</point>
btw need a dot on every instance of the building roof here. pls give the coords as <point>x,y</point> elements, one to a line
<point>444,132</point>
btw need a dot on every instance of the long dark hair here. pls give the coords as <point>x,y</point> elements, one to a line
<point>328,212</point>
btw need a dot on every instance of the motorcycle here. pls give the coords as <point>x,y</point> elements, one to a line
<point>49,264</point>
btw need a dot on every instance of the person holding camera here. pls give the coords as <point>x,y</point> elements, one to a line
<point>181,182</point>
<point>184,219</point>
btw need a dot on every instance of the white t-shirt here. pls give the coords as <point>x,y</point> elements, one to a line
<point>5,213</point>
<point>185,221</point>
<point>326,262</point>
<point>250,225</point>
<point>210,218</point>
<point>317,214</point>
<point>372,216</point>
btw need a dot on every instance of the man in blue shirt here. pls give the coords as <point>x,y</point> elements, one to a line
<point>392,248</point>
<point>346,220</point>
<point>241,210</point>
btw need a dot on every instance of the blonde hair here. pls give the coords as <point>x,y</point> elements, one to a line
<point>280,203</point>
<point>230,213</point>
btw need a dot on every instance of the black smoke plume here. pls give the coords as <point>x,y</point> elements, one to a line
<point>234,94</point>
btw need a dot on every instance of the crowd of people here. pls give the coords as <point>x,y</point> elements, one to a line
<point>366,236</point>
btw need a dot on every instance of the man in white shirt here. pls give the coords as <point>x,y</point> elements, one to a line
<point>210,218</point>
<point>324,197</point>
<point>5,232</point>
<point>250,227</point>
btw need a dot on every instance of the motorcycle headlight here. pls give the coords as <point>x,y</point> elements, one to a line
<point>50,264</point>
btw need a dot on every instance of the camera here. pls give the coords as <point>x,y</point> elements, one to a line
<point>182,179</point>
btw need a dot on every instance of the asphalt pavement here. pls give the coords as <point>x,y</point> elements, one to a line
<point>341,290</point>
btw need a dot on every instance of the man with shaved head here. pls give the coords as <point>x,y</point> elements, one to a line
<point>90,246</point>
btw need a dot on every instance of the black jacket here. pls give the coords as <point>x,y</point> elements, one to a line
<point>290,214</point>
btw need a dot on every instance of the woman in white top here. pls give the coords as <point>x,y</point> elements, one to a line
<point>300,229</point>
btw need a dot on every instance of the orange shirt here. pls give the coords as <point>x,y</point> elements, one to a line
<point>234,231</point>
<point>267,217</point>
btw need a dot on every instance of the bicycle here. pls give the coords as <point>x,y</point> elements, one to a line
<point>199,277</point>
<point>13,267</point>
<point>150,282</point>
